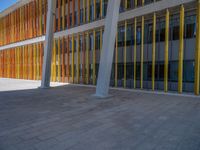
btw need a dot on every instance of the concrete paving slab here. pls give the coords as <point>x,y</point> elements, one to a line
<point>67,117</point>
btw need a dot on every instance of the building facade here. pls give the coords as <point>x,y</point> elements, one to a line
<point>157,43</point>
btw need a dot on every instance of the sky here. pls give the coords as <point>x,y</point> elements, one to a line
<point>6,3</point>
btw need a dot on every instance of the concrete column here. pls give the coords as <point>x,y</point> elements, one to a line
<point>46,72</point>
<point>107,52</point>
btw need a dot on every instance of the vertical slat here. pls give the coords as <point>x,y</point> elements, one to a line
<point>0,63</point>
<point>101,8</point>
<point>63,14</point>
<point>38,61</point>
<point>79,8</point>
<point>88,10</point>
<point>8,63</point>
<point>54,61</point>
<point>14,63</point>
<point>116,59</point>
<point>87,58</point>
<point>142,54</point>
<point>31,62</point>
<point>25,22</point>
<point>18,63</point>
<point>3,64</point>
<point>126,4</point>
<point>72,66</point>
<point>55,20</point>
<point>94,9</point>
<point>136,3</point>
<point>197,51</point>
<point>45,15</point>
<point>21,63</point>
<point>125,30</point>
<point>84,11</point>
<point>41,59</point>
<point>135,52</point>
<point>25,62</point>
<point>83,63</point>
<point>166,51</point>
<point>37,19</point>
<point>63,59</point>
<point>68,59</point>
<point>94,58</point>
<point>33,19</point>
<point>78,58</point>
<point>34,62</point>
<point>153,51</point>
<point>40,16</point>
<point>59,15</point>
<point>20,23</point>
<point>68,14</point>
<point>181,49</point>
<point>58,56</point>
<point>11,63</point>
<point>52,64</point>
<point>73,12</point>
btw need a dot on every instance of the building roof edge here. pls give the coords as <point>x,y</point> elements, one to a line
<point>12,8</point>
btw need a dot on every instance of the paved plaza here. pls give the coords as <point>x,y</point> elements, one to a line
<point>67,117</point>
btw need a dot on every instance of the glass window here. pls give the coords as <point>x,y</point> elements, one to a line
<point>190,22</point>
<point>122,6</point>
<point>138,35</point>
<point>161,71</point>
<point>121,36</point>
<point>149,73</point>
<point>91,11</point>
<point>188,71</point>
<point>139,2</point>
<point>81,16</point>
<point>173,71</point>
<point>129,35</point>
<point>138,68</point>
<point>91,42</point>
<point>105,3</point>
<point>129,70</point>
<point>98,9</point>
<point>175,28</point>
<point>150,33</point>
<point>97,42</point>
<point>162,31</point>
<point>120,73</point>
<point>70,18</point>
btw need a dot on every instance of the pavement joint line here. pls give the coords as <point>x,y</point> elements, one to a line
<point>144,91</point>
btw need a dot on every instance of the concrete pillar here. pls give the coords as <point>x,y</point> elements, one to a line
<point>107,52</point>
<point>46,72</point>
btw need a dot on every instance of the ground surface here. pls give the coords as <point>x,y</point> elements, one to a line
<point>68,118</point>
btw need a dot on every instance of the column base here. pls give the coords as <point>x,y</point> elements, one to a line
<point>44,87</point>
<point>97,96</point>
